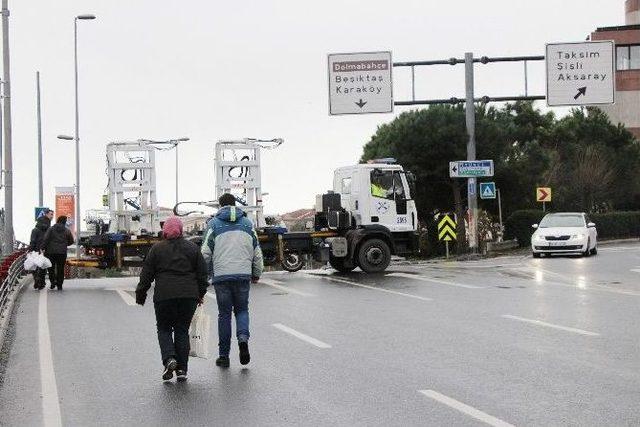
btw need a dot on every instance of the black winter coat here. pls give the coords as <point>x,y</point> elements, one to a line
<point>38,232</point>
<point>56,240</point>
<point>178,268</point>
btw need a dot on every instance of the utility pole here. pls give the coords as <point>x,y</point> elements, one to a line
<point>8,167</point>
<point>500,214</point>
<point>471,151</point>
<point>40,191</point>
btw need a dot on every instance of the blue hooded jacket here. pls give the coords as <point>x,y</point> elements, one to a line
<point>231,246</point>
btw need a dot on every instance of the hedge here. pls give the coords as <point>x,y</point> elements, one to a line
<point>518,225</point>
<point>617,225</point>
<point>612,225</point>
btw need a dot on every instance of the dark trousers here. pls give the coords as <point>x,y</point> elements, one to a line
<point>173,318</point>
<point>232,296</point>
<point>56,272</point>
<point>39,277</point>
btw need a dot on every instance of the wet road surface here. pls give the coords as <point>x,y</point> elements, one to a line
<point>504,341</point>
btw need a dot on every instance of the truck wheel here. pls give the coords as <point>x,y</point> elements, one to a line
<point>374,256</point>
<point>292,262</point>
<point>338,264</point>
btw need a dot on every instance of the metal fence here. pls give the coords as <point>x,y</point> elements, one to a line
<point>11,269</point>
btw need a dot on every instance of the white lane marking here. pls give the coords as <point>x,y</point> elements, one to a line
<point>426,279</point>
<point>278,285</point>
<point>349,282</point>
<point>50,402</point>
<point>582,286</point>
<point>126,297</point>
<point>465,409</point>
<point>301,336</point>
<point>551,325</point>
<point>636,270</point>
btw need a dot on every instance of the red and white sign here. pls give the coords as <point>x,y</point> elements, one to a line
<point>66,204</point>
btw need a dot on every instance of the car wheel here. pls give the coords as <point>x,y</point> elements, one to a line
<point>292,262</point>
<point>536,255</point>
<point>587,252</point>
<point>374,256</point>
<point>594,251</point>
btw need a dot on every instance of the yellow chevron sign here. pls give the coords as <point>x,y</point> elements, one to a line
<point>446,228</point>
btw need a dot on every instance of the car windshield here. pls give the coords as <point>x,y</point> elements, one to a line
<point>562,221</point>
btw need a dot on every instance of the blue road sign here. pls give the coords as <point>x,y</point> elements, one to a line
<point>39,211</point>
<point>487,190</point>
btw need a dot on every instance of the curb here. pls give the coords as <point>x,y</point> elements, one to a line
<point>614,241</point>
<point>4,321</point>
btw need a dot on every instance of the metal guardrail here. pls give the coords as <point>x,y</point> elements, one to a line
<point>11,269</point>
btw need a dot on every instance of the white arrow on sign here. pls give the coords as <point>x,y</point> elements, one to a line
<point>580,73</point>
<point>470,168</point>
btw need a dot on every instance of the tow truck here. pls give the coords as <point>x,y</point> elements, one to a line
<point>368,215</point>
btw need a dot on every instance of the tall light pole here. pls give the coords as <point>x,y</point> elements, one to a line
<point>175,143</point>
<point>77,134</point>
<point>8,167</point>
<point>39,114</point>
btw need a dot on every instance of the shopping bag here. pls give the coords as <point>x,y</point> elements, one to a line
<point>199,333</point>
<point>42,261</point>
<point>30,261</point>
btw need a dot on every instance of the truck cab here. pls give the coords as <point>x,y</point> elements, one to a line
<point>377,194</point>
<point>373,214</point>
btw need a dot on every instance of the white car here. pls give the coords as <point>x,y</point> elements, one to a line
<point>564,233</point>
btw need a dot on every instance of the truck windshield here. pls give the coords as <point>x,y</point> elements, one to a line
<point>382,184</point>
<point>562,221</point>
<point>387,185</point>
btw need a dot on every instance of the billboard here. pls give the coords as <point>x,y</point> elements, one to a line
<point>66,204</point>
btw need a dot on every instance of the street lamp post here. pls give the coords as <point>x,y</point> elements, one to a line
<point>77,135</point>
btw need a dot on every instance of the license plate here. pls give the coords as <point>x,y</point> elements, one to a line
<point>557,243</point>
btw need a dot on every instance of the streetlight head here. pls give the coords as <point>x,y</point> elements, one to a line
<point>66,137</point>
<point>86,17</point>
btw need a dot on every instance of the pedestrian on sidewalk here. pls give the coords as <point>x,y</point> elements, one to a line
<point>54,246</point>
<point>35,245</point>
<point>232,250</point>
<point>180,274</point>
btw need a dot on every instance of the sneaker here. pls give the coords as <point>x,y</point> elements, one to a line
<point>222,361</point>
<point>245,357</point>
<point>169,367</point>
<point>181,375</point>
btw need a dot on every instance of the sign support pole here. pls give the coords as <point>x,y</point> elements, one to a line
<point>447,246</point>
<point>471,150</point>
<point>500,213</point>
<point>544,206</point>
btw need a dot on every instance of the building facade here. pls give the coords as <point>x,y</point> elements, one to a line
<point>626,110</point>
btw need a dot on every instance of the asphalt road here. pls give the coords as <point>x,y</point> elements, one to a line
<point>506,341</point>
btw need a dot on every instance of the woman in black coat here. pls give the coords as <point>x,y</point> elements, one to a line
<point>180,274</point>
<point>35,243</point>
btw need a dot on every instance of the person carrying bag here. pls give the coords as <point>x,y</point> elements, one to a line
<point>180,275</point>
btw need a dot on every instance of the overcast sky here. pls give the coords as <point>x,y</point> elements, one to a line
<point>211,70</point>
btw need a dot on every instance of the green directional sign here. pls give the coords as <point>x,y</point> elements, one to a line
<point>446,228</point>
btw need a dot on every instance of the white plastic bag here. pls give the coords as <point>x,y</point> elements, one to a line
<point>42,261</point>
<point>199,333</point>
<point>30,261</point>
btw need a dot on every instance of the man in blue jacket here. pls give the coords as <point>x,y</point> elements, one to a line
<point>231,248</point>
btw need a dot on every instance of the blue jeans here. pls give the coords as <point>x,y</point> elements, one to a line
<point>232,295</point>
